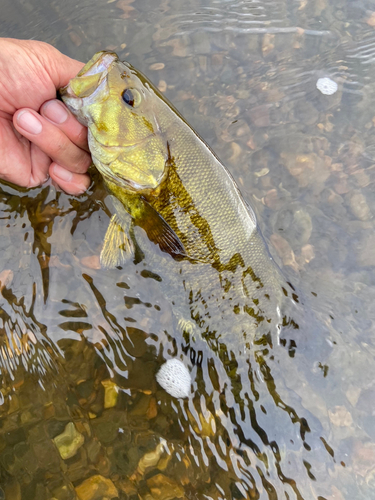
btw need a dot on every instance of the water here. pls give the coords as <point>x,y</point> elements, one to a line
<point>80,346</point>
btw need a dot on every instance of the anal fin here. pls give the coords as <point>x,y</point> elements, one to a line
<point>118,248</point>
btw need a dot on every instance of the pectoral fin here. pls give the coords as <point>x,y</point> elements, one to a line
<point>118,248</point>
<point>160,232</point>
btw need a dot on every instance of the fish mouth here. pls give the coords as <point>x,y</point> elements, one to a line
<point>91,80</point>
<point>99,63</point>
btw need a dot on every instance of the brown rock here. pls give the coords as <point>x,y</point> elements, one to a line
<point>260,116</point>
<point>96,488</point>
<point>271,200</point>
<point>152,410</point>
<point>75,38</point>
<point>364,458</point>
<point>164,488</point>
<point>340,416</point>
<point>284,251</point>
<point>359,206</point>
<point>336,494</point>
<point>125,6</point>
<point>371,20</point>
<point>307,253</point>
<point>179,46</point>
<point>236,152</point>
<point>91,261</point>
<point>162,85</point>
<point>268,43</point>
<point>157,66</point>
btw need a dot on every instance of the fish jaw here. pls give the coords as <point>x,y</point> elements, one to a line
<point>89,85</point>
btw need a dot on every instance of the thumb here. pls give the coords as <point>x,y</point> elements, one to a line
<point>64,69</point>
<point>58,66</point>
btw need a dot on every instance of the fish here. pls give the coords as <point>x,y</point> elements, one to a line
<point>170,183</point>
<point>175,201</point>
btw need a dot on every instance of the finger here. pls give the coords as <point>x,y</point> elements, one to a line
<point>59,115</point>
<point>39,163</point>
<point>22,162</point>
<point>51,140</point>
<point>70,182</point>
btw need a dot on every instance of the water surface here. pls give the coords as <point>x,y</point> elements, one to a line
<point>80,345</point>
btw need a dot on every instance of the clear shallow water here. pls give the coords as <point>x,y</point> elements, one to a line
<point>244,75</point>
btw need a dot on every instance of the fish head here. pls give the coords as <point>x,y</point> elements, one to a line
<point>118,106</point>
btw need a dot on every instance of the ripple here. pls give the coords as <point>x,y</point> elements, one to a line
<point>364,50</point>
<point>23,342</point>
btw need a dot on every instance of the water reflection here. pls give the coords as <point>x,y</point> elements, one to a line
<point>240,418</point>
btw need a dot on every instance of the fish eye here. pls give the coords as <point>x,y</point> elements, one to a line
<point>128,97</point>
<point>131,97</point>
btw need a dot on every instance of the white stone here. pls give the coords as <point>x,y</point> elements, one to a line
<point>175,378</point>
<point>326,86</point>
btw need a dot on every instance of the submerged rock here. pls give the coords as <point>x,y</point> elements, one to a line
<point>110,393</point>
<point>175,378</point>
<point>151,460</point>
<point>69,441</point>
<point>164,488</point>
<point>326,86</point>
<point>96,488</point>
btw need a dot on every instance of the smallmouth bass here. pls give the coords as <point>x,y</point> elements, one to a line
<point>171,184</point>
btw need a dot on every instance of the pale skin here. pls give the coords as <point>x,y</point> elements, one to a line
<point>39,137</point>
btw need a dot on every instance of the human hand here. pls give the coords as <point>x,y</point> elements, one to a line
<point>38,135</point>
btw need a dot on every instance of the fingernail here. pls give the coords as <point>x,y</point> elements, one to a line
<point>29,122</point>
<point>55,111</point>
<point>62,173</point>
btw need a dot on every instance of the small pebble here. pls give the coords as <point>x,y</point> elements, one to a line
<point>340,416</point>
<point>162,85</point>
<point>91,261</point>
<point>326,86</point>
<point>110,393</point>
<point>157,66</point>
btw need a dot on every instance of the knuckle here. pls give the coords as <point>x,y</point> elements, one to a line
<point>83,162</point>
<point>70,155</point>
<point>60,148</point>
<point>81,136</point>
